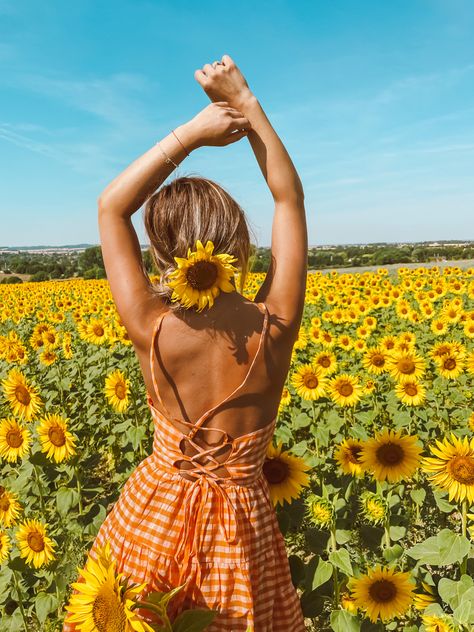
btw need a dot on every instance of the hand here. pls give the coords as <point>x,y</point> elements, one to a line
<point>224,82</point>
<point>218,124</point>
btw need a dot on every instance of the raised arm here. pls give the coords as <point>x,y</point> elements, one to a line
<point>285,283</point>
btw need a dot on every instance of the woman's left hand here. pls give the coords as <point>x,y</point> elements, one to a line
<point>218,124</point>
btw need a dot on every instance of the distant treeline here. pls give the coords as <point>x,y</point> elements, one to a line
<point>90,265</point>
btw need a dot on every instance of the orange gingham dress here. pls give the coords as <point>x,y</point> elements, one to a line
<point>219,535</point>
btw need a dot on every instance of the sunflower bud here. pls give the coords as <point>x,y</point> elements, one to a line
<point>373,507</point>
<point>320,510</point>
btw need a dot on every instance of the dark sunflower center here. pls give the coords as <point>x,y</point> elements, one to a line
<point>382,591</point>
<point>411,390</point>
<point>98,330</point>
<point>462,469</point>
<point>310,381</point>
<point>346,389</point>
<point>202,275</point>
<point>390,454</point>
<point>450,364</point>
<point>4,503</point>
<point>35,542</point>
<point>22,395</point>
<point>107,613</point>
<point>275,471</point>
<point>56,436</point>
<point>353,454</point>
<point>14,438</point>
<point>120,391</point>
<point>406,366</point>
<point>325,362</point>
<point>378,360</point>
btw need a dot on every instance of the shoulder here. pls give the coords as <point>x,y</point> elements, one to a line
<point>145,320</point>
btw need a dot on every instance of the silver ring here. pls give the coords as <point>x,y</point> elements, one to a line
<point>216,63</point>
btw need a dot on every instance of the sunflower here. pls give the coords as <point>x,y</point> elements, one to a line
<point>285,474</point>
<point>345,342</point>
<point>347,456</point>
<point>4,546</point>
<point>348,603</point>
<point>423,600</point>
<point>34,545</point>
<point>326,338</point>
<point>103,600</point>
<point>9,507</point>
<point>326,361</point>
<point>15,439</point>
<point>434,623</point>
<point>117,390</point>
<point>320,511</point>
<point>201,276</point>
<point>48,357</point>
<point>406,365</point>
<point>388,342</point>
<point>470,422</point>
<point>453,469</point>
<point>309,382</point>
<point>373,506</point>
<point>96,331</point>
<point>302,340</point>
<point>56,441</point>
<point>410,392</point>
<point>360,345</point>
<point>285,400</point>
<point>389,456</point>
<point>23,398</point>
<point>470,362</point>
<point>375,360</point>
<point>383,593</point>
<point>450,365</point>
<point>345,389</point>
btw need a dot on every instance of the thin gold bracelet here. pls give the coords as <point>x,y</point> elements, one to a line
<point>168,160</point>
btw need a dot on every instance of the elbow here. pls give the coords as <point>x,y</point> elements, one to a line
<point>101,204</point>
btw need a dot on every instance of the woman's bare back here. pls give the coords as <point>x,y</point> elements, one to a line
<point>200,361</point>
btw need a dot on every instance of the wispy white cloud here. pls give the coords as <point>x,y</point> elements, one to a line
<point>118,101</point>
<point>8,133</point>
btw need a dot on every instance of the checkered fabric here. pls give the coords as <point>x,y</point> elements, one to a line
<point>218,535</point>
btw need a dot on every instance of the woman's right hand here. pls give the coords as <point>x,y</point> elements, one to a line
<point>224,82</point>
<point>218,124</point>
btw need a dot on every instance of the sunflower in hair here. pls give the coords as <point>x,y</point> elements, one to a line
<point>201,276</point>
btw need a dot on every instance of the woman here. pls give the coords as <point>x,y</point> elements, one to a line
<point>197,511</point>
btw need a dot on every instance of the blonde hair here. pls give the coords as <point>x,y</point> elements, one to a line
<point>191,208</point>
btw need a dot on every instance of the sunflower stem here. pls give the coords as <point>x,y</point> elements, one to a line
<point>334,569</point>
<point>315,434</point>
<point>79,490</point>
<point>20,601</point>
<point>137,422</point>
<point>60,380</point>
<point>464,504</point>
<point>40,489</point>
<point>159,610</point>
<point>387,521</point>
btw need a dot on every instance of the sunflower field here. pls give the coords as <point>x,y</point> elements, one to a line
<point>371,470</point>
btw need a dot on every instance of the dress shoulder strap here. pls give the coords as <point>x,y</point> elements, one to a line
<point>203,417</point>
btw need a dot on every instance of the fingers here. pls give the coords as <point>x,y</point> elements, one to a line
<point>241,123</point>
<point>235,136</point>
<point>227,61</point>
<point>200,76</point>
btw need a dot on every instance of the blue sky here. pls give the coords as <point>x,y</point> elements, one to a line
<point>373,100</point>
